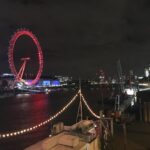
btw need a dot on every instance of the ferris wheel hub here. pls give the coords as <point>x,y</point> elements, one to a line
<point>25,59</point>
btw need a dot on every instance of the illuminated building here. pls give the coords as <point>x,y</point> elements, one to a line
<point>6,81</point>
<point>48,83</point>
<point>64,80</point>
<point>146,72</point>
<point>43,82</point>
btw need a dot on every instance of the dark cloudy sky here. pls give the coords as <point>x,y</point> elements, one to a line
<point>80,37</point>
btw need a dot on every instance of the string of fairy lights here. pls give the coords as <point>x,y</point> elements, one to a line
<point>35,127</point>
<point>89,108</point>
<point>30,129</point>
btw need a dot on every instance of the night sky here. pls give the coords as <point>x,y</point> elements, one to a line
<point>80,37</point>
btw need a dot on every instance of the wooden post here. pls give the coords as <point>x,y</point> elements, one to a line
<point>100,130</point>
<point>145,112</point>
<point>125,135</point>
<point>148,112</point>
<point>101,114</point>
<point>112,126</point>
<point>140,110</point>
<point>100,121</point>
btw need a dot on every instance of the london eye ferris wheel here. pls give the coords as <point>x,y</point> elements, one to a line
<point>19,74</point>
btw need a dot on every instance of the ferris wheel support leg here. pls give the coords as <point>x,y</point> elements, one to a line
<point>18,77</point>
<point>24,65</point>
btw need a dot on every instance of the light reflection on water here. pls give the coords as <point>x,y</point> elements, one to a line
<point>22,95</point>
<point>26,110</point>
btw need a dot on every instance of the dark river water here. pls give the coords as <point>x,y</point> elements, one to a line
<point>26,110</point>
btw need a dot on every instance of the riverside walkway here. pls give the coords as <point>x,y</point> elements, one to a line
<point>138,137</point>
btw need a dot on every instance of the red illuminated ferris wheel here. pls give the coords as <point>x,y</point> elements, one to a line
<point>19,74</point>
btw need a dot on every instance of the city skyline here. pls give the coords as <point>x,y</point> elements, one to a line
<point>79,38</point>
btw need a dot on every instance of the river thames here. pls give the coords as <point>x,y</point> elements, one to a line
<point>26,110</point>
